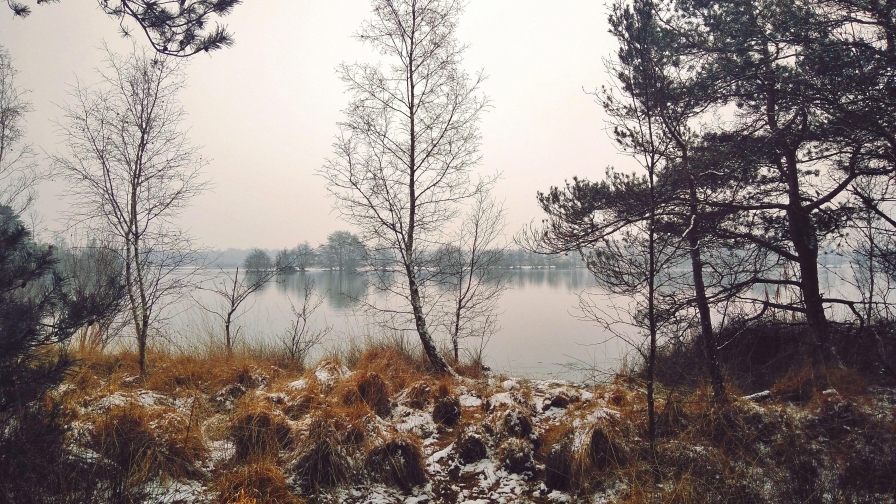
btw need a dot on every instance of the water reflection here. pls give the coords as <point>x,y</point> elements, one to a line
<point>537,334</point>
<point>343,290</point>
<point>567,279</point>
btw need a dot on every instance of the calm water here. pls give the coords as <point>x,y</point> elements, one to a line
<point>539,335</point>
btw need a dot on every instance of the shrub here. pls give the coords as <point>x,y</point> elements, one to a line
<point>40,309</point>
<point>34,468</point>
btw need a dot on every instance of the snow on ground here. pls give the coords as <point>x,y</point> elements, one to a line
<point>464,473</point>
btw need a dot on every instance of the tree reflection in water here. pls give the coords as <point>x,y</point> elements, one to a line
<point>343,290</point>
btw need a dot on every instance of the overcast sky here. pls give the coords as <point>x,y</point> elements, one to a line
<point>265,110</point>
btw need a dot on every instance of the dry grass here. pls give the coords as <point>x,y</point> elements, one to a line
<point>397,462</point>
<point>324,456</point>
<point>144,443</point>
<point>419,395</point>
<point>556,452</point>
<point>369,388</point>
<point>516,456</point>
<point>259,433</point>
<point>398,365</point>
<point>447,411</point>
<point>471,444</point>
<point>335,427</point>
<point>515,423</point>
<point>801,385</point>
<point>256,483</point>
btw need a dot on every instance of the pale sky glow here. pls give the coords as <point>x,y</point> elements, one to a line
<point>265,110</point>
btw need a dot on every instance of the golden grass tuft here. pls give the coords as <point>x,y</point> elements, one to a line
<point>323,458</point>
<point>144,443</point>
<point>172,373</point>
<point>256,483</point>
<point>367,388</point>
<point>419,395</point>
<point>396,364</point>
<point>259,433</point>
<point>301,404</point>
<point>397,462</point>
<point>578,467</point>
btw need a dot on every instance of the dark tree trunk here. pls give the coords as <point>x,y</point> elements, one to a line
<point>429,346</point>
<point>805,244</point>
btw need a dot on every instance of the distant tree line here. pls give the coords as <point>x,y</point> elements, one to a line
<point>305,257</point>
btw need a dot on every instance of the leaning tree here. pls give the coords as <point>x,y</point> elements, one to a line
<point>406,148</point>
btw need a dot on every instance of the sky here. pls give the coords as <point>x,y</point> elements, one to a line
<point>265,110</point>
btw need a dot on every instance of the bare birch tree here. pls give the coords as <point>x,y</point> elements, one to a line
<point>230,292</point>
<point>131,172</point>
<point>18,165</point>
<point>301,336</point>
<point>404,154</point>
<point>471,273</point>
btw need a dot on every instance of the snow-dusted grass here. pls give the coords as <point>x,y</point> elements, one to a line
<point>378,428</point>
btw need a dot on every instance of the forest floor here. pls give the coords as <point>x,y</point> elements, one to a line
<point>377,428</point>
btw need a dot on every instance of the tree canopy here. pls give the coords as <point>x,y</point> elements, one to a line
<point>173,27</point>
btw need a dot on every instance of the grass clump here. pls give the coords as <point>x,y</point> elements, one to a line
<point>516,456</point>
<point>323,458</point>
<point>397,462</point>
<point>419,395</point>
<point>256,483</point>
<point>801,384</point>
<point>370,389</point>
<point>446,408</point>
<point>515,423</point>
<point>143,444</point>
<point>259,433</point>
<point>471,444</point>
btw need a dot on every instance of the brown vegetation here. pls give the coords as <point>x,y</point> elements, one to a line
<point>249,431</point>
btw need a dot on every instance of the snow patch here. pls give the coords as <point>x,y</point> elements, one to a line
<point>298,384</point>
<point>501,399</point>
<point>470,401</point>
<point>510,385</point>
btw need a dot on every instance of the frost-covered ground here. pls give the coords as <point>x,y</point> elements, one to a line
<point>375,435</point>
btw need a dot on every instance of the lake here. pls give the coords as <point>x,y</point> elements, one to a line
<point>541,333</point>
<point>539,336</point>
